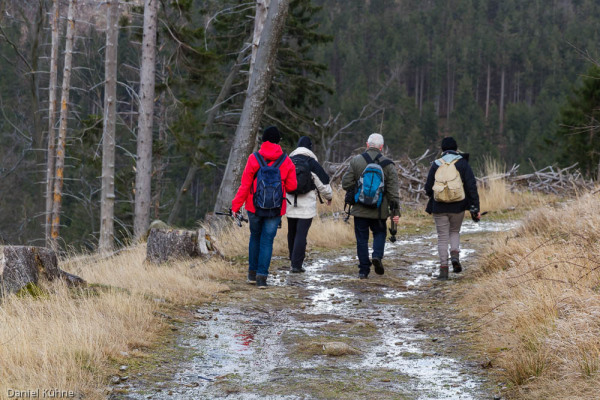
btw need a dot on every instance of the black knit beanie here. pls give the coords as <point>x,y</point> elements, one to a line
<point>448,143</point>
<point>305,142</point>
<point>271,134</point>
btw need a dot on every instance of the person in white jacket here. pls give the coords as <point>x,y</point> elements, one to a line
<point>302,203</point>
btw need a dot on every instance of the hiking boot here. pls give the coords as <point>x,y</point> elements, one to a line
<point>261,281</point>
<point>378,266</point>
<point>251,276</point>
<point>443,276</point>
<point>298,270</point>
<point>362,275</point>
<point>456,267</point>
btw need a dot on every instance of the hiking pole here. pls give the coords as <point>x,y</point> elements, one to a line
<point>238,217</point>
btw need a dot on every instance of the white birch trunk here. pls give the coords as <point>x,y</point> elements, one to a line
<point>52,88</point>
<point>143,183</point>
<point>62,131</point>
<point>254,104</point>
<point>107,205</point>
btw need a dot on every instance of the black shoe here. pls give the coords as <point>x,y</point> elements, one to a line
<point>443,275</point>
<point>362,275</point>
<point>261,281</point>
<point>251,276</point>
<point>456,267</point>
<point>298,270</point>
<point>378,266</point>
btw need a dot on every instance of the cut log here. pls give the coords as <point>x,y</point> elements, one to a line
<point>173,244</point>
<point>24,265</point>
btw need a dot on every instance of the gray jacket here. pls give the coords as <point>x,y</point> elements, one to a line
<point>390,195</point>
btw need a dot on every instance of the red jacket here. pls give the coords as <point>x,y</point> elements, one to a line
<point>270,152</point>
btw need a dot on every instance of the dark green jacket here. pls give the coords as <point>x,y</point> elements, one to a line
<point>352,175</point>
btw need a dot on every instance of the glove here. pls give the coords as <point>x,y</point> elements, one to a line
<point>474,213</point>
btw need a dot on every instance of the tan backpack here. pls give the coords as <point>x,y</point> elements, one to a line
<point>448,187</point>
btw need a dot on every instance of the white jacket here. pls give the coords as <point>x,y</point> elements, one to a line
<point>307,203</point>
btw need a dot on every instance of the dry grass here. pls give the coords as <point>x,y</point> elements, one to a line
<point>183,282</point>
<point>538,305</point>
<point>496,195</point>
<point>63,342</point>
<point>66,339</point>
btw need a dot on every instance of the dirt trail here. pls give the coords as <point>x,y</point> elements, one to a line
<point>399,330</point>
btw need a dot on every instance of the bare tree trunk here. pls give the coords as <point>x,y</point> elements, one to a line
<point>143,182</point>
<point>107,203</point>
<point>52,89</point>
<point>38,135</point>
<point>191,174</point>
<point>254,104</point>
<point>487,93</point>
<point>501,113</point>
<point>262,10</point>
<point>62,131</point>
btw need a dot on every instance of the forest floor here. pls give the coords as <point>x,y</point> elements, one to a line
<point>398,336</point>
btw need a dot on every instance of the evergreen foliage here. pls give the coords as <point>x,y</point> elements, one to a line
<point>414,70</point>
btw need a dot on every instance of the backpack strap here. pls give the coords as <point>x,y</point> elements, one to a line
<point>279,161</point>
<point>367,158</point>
<point>260,159</point>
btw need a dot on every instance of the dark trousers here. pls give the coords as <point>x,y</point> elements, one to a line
<point>297,232</point>
<point>361,230</point>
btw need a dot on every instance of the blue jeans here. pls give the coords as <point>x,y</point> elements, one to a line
<point>260,249</point>
<point>361,230</point>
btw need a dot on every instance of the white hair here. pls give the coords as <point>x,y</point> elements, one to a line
<point>375,140</point>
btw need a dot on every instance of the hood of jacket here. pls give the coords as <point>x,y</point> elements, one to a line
<point>303,151</point>
<point>270,151</point>
<point>448,157</point>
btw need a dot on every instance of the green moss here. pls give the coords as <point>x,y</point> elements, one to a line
<point>32,290</point>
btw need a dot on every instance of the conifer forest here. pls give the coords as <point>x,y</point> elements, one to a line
<point>161,85</point>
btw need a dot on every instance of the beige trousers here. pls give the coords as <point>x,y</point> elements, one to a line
<point>448,230</point>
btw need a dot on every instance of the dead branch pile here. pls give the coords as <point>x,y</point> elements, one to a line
<point>549,180</point>
<point>412,173</point>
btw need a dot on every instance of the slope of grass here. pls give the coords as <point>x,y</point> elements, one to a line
<point>537,303</point>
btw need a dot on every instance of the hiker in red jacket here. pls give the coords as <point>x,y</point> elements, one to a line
<point>268,175</point>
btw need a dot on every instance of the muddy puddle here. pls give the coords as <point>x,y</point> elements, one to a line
<point>275,343</point>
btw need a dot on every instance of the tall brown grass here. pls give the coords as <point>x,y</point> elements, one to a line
<point>538,305</point>
<point>65,339</point>
<point>63,342</point>
<point>495,193</point>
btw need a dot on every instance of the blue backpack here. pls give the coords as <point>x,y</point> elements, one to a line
<point>268,196</point>
<point>371,184</point>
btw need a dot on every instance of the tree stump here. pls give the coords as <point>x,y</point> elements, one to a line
<point>172,244</point>
<point>24,265</point>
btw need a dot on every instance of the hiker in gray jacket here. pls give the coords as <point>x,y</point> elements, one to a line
<point>302,203</point>
<point>368,217</point>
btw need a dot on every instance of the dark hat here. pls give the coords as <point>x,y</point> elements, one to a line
<point>448,143</point>
<point>305,142</point>
<point>271,134</point>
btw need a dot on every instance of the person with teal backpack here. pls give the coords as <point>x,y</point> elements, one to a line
<point>372,185</point>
